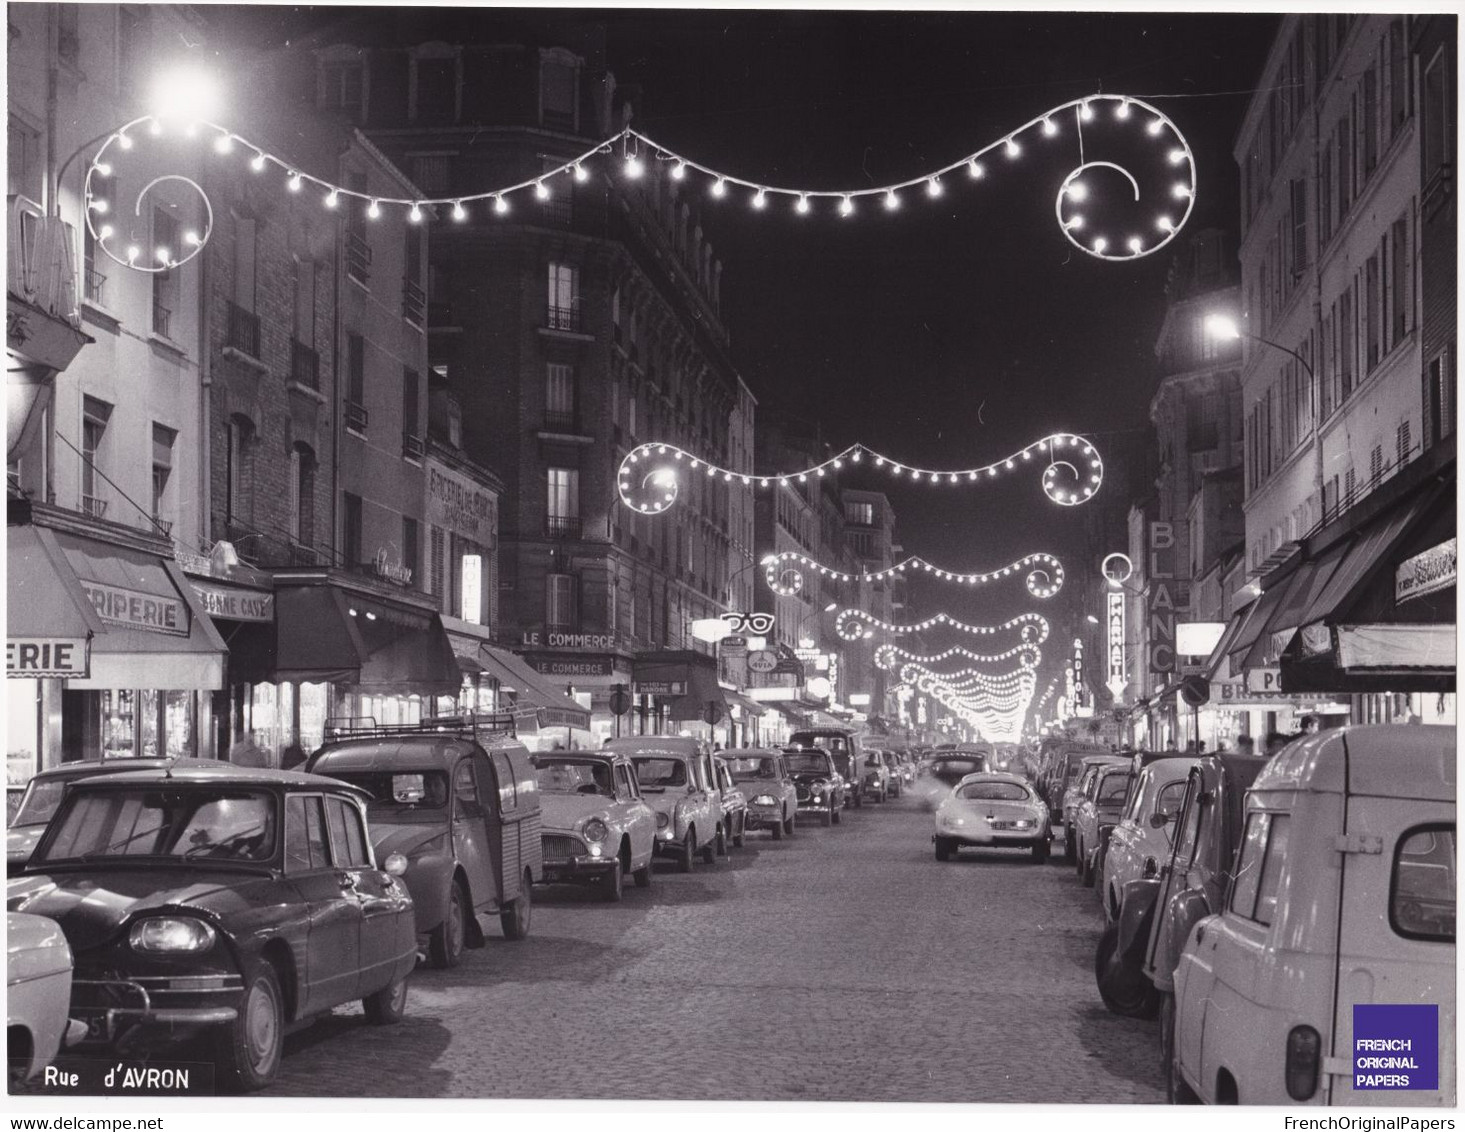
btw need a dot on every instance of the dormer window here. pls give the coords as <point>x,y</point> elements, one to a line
<point>342,87</point>
<point>435,84</point>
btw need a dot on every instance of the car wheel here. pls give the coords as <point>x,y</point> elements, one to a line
<point>721,842</point>
<point>944,849</point>
<point>387,1006</point>
<point>1125,992</point>
<point>709,851</point>
<point>687,857</point>
<point>249,1050</point>
<point>613,884</point>
<point>779,828</point>
<point>859,801</point>
<point>834,815</point>
<point>642,876</point>
<point>515,918</point>
<point>1040,852</point>
<point>446,942</point>
<point>827,816</point>
<point>738,836</point>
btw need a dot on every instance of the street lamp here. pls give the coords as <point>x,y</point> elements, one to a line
<point>1090,618</point>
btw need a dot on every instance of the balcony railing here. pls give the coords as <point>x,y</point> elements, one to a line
<point>561,420</point>
<point>414,303</point>
<point>562,526</point>
<point>355,416</point>
<point>242,330</point>
<point>564,318</point>
<point>96,282</point>
<point>558,210</point>
<point>412,447</point>
<point>161,318</point>
<point>304,365</point>
<point>358,257</point>
<point>163,526</point>
<point>93,506</point>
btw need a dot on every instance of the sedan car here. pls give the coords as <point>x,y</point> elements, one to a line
<point>596,827</point>
<point>1073,797</point>
<point>944,770</point>
<point>220,903</point>
<point>675,777</point>
<point>1098,813</point>
<point>37,994</point>
<point>773,800</point>
<point>992,811</point>
<point>1142,839</point>
<point>818,785</point>
<point>897,773</point>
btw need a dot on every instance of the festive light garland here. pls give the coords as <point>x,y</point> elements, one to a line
<point>979,686</point>
<point>1074,189</point>
<point>649,482</point>
<point>1003,725</point>
<point>887,656</point>
<point>786,580</point>
<point>1034,631</point>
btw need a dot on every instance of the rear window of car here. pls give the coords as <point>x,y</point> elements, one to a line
<point>1422,890</point>
<point>995,792</point>
<point>660,773</point>
<point>954,769</point>
<point>745,770</point>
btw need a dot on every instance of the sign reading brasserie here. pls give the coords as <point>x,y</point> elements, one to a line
<point>46,656</point>
<point>152,613</point>
<point>458,504</point>
<point>235,605</point>
<point>1426,573</point>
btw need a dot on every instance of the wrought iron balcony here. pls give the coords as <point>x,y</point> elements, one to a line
<point>562,526</point>
<point>563,318</point>
<point>304,365</point>
<point>94,506</point>
<point>355,416</point>
<point>96,283</point>
<point>561,420</point>
<point>412,446</point>
<point>242,330</point>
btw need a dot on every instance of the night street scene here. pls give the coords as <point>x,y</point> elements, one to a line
<point>730,555</point>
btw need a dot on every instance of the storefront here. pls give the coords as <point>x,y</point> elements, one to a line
<point>544,717</point>
<point>594,669</point>
<point>109,653</point>
<point>676,690</point>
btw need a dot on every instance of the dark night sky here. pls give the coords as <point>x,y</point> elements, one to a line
<point>951,332</point>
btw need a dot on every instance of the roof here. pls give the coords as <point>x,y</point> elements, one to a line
<point>1389,761</point>
<point>429,752</point>
<point>205,772</point>
<point>654,745</point>
<point>993,776</point>
<point>94,767</point>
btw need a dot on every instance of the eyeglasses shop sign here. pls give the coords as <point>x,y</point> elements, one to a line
<point>1426,573</point>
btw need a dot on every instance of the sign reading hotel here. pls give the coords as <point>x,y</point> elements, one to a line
<point>235,605</point>
<point>1426,573</point>
<point>151,613</point>
<point>457,503</point>
<point>28,657</point>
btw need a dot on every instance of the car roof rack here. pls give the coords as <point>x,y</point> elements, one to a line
<point>474,726</point>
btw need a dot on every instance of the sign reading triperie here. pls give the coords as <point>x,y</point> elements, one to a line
<point>31,657</point>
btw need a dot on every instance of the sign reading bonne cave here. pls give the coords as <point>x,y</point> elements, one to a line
<point>152,613</point>
<point>235,605</point>
<point>46,656</point>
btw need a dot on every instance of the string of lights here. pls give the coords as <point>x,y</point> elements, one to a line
<point>649,479</point>
<point>1034,626</point>
<point>1005,696</point>
<point>781,572</point>
<point>887,656</point>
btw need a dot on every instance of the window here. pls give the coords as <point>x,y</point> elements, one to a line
<point>1401,262</point>
<point>558,85</point>
<point>503,770</point>
<point>1370,123</point>
<point>1403,442</point>
<point>1247,882</point>
<point>1435,104</point>
<point>163,438</point>
<point>564,297</point>
<point>1371,314</point>
<point>561,601</point>
<point>615,314</point>
<point>1398,79</point>
<point>351,530</point>
<point>1439,398</point>
<point>1325,196</point>
<point>559,396</point>
<point>348,843</point>
<point>861,513</point>
<point>1345,166</point>
<point>341,88</point>
<point>358,247</point>
<point>437,90</point>
<point>1375,466</point>
<point>431,172</point>
<point>410,546</point>
<point>165,283</point>
<point>302,494</point>
<point>411,421</point>
<point>1271,873</point>
<point>305,835</point>
<point>1347,344</point>
<point>304,326</point>
<point>95,415</point>
<point>236,476</point>
<point>244,260</point>
<point>437,550</point>
<point>1298,245</point>
<point>563,504</point>
<point>23,160</point>
<point>1422,889</point>
<point>355,382</point>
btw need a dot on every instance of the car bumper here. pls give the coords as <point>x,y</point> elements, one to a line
<point>997,838</point>
<point>111,1009</point>
<point>578,868</point>
<point>763,818</point>
<point>817,804</point>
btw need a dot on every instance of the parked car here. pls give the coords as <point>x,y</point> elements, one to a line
<point>874,780</point>
<point>1143,836</point>
<point>1073,796</point>
<point>848,750</point>
<point>1097,816</point>
<point>734,804</point>
<point>944,770</point>
<point>773,801</point>
<point>457,798</point>
<point>992,810</point>
<point>1135,962</point>
<point>847,763</point>
<point>896,770</point>
<point>43,794</point>
<point>1344,896</point>
<point>676,780</point>
<point>817,784</point>
<point>37,994</point>
<point>1064,767</point>
<point>596,828</point>
<point>223,902</point>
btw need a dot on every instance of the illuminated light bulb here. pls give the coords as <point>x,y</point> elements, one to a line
<point>1099,245</point>
<point>880,461</point>
<point>634,166</point>
<point>224,143</point>
<point>133,252</point>
<point>1180,191</point>
<point>1155,125</point>
<point>838,463</point>
<point>333,198</point>
<point>191,239</point>
<point>821,471</point>
<point>1165,224</point>
<point>107,231</point>
<point>1123,109</point>
<point>1074,223</point>
<point>373,210</point>
<point>855,456</point>
<point>1135,244</point>
<point>976,169</point>
<point>971,475</point>
<point>541,190</point>
<point>802,477</point>
<point>500,205</point>
<point>803,204</point>
<point>719,187</point>
<point>892,202</point>
<point>759,199</point>
<point>679,170</point>
<point>163,256</point>
<point>416,214</point>
<point>124,142</point>
<point>1176,156</point>
<point>1077,191</point>
<point>102,169</point>
<point>295,182</point>
<point>99,206</point>
<point>579,172</point>
<point>933,187</point>
<point>155,127</point>
<point>1012,148</point>
<point>460,213</point>
<point>1050,127</point>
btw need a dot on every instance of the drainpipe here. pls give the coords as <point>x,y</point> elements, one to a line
<point>1317,317</point>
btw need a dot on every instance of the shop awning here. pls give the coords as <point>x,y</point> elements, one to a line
<point>1217,667</point>
<point>326,634</point>
<point>747,706</point>
<point>1395,647</point>
<point>146,626</point>
<point>1251,640</point>
<point>693,672</point>
<point>532,692</point>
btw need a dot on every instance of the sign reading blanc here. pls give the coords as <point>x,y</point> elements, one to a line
<point>235,605</point>
<point>1426,573</point>
<point>47,656</point>
<point>1164,597</point>
<point>151,613</point>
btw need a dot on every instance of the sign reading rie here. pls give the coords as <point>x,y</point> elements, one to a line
<point>47,656</point>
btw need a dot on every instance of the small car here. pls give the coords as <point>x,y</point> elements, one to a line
<point>992,810</point>
<point>874,780</point>
<point>773,800</point>
<point>847,763</point>
<point>819,787</point>
<point>734,805</point>
<point>221,903</point>
<point>848,749</point>
<point>1097,815</point>
<point>946,769</point>
<point>37,994</point>
<point>675,778</point>
<point>897,775</point>
<point>457,798</point>
<point>596,827</point>
<point>1343,896</point>
<point>1064,768</point>
<point>1142,838</point>
<point>43,794</point>
<point>1073,796</point>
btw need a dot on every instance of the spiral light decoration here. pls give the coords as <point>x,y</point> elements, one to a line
<point>852,624</point>
<point>888,656</point>
<point>784,577</point>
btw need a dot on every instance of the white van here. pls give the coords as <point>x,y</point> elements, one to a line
<point>1343,894</point>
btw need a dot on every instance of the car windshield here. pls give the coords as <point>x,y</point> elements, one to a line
<point>954,770</point>
<point>193,823</point>
<point>40,801</point>
<point>398,795</point>
<point>807,763</point>
<point>1113,788</point>
<point>658,774</point>
<point>845,762</point>
<point>994,792</point>
<point>746,770</point>
<point>575,776</point>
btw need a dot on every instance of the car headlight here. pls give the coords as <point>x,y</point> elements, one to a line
<point>816,790</point>
<point>1024,823</point>
<point>764,800</point>
<point>595,830</point>
<point>171,933</point>
<point>662,821</point>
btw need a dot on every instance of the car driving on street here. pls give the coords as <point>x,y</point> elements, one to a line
<point>992,810</point>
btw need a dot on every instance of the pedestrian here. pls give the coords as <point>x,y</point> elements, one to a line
<point>1311,724</point>
<point>1276,741</point>
<point>1245,745</point>
<point>248,751</point>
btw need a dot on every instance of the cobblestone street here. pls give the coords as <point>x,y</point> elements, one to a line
<point>844,964</point>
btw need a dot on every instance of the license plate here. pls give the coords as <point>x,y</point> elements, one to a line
<point>98,1027</point>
